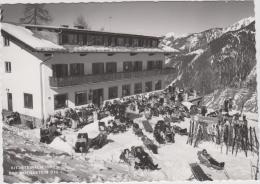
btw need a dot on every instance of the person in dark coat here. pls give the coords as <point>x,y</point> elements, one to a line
<point>146,161</point>
<point>208,160</point>
<point>169,135</point>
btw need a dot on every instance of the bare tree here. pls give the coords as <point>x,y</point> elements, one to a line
<point>81,21</point>
<point>35,14</point>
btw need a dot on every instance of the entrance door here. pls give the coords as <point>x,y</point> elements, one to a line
<point>9,101</point>
<point>98,96</point>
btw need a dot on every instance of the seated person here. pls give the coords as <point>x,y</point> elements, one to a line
<point>169,135</point>
<point>127,156</point>
<point>206,159</point>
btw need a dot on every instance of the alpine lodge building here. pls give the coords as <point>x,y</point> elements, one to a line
<point>47,68</point>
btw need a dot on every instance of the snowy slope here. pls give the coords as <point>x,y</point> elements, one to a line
<point>240,24</point>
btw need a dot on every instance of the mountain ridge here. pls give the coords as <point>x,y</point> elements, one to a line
<point>216,59</point>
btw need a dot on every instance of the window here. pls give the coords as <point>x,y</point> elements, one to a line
<point>138,66</point>
<point>76,69</point>
<point>73,39</point>
<point>112,41</point>
<point>8,68</point>
<point>148,86</point>
<point>127,66</point>
<point>150,65</point>
<point>106,41</point>
<point>81,98</point>
<point>99,40</point>
<point>111,67</point>
<point>91,39</point>
<point>6,41</point>
<point>60,70</point>
<point>80,39</point>
<point>154,43</point>
<point>60,101</point>
<point>64,39</point>
<point>126,90</point>
<point>97,68</point>
<point>149,43</point>
<point>120,41</point>
<point>138,88</point>
<point>140,42</point>
<point>28,100</point>
<point>145,43</point>
<point>135,42</point>
<point>113,92</point>
<point>158,65</point>
<point>127,42</point>
<point>158,85</point>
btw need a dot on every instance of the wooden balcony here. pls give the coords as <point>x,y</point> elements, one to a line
<point>78,80</point>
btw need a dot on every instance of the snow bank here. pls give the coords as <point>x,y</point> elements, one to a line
<point>92,129</point>
<point>187,104</point>
<point>61,145</point>
<point>27,36</point>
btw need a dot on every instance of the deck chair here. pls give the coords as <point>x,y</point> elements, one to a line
<point>147,126</point>
<point>198,173</point>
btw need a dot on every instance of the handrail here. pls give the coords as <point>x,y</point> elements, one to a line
<point>77,80</point>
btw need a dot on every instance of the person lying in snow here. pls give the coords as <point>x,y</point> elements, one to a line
<point>209,161</point>
<point>100,140</point>
<point>127,156</point>
<point>150,144</point>
<point>144,160</point>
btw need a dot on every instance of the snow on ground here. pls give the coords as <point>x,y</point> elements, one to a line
<point>187,104</point>
<point>173,159</point>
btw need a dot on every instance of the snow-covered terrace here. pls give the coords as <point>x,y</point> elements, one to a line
<point>37,43</point>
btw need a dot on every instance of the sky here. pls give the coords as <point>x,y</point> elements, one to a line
<point>147,18</point>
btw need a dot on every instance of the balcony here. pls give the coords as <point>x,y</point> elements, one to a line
<point>78,80</point>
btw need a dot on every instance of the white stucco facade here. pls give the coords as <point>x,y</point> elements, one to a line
<point>31,67</point>
<point>119,58</point>
<point>23,78</point>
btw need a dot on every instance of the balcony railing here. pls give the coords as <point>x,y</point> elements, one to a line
<point>78,80</point>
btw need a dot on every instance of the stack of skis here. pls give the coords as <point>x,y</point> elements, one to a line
<point>233,136</point>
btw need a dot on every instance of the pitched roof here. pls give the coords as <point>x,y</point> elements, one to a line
<point>27,37</point>
<point>38,43</point>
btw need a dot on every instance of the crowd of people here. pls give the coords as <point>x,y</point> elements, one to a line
<point>167,104</point>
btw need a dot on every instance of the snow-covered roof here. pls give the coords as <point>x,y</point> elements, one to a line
<point>40,44</point>
<point>119,49</point>
<point>90,31</point>
<point>28,37</point>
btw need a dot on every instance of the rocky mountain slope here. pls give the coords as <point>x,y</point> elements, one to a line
<point>216,59</point>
